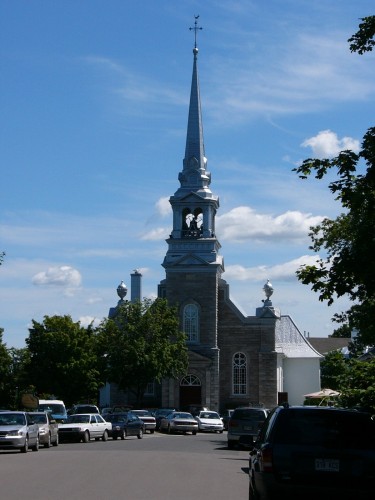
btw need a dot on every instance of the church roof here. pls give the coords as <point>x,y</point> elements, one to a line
<point>291,342</point>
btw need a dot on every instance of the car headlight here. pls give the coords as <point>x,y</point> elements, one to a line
<point>15,433</point>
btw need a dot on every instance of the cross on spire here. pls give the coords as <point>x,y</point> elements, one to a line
<point>195,28</point>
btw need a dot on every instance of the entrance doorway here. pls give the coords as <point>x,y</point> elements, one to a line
<point>190,392</point>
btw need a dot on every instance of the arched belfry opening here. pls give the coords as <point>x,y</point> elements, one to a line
<point>192,222</point>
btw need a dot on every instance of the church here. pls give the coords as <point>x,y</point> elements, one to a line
<point>234,360</point>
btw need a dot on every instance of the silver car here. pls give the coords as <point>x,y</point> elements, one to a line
<point>179,421</point>
<point>18,431</point>
<point>48,428</point>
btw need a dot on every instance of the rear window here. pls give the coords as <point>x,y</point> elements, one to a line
<point>246,414</point>
<point>331,429</point>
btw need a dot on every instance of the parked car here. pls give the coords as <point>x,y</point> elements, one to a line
<point>244,425</point>
<point>313,452</point>
<point>83,408</point>
<point>160,413</point>
<point>225,418</point>
<point>209,421</point>
<point>83,427</point>
<point>18,431</point>
<point>56,407</point>
<point>178,421</point>
<point>125,424</point>
<point>48,428</point>
<point>148,419</point>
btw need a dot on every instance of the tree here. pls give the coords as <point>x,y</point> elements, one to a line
<point>5,373</point>
<point>363,40</point>
<point>343,331</point>
<point>142,343</point>
<point>2,255</point>
<point>357,385</point>
<point>349,241</point>
<point>63,360</point>
<point>332,368</point>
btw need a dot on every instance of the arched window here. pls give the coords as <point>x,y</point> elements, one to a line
<point>239,369</point>
<point>190,380</point>
<point>191,323</point>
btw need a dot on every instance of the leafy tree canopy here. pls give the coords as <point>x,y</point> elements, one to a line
<point>348,241</point>
<point>5,371</point>
<point>63,360</point>
<point>142,343</point>
<point>363,40</point>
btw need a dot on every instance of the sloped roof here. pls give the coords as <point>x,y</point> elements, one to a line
<point>328,344</point>
<point>291,342</point>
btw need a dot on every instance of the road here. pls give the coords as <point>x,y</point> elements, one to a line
<point>157,467</point>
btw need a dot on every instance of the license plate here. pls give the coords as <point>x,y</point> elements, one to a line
<point>248,428</point>
<point>327,465</point>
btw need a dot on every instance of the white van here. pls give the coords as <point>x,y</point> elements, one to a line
<point>55,407</point>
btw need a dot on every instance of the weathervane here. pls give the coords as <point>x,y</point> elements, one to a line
<point>195,28</point>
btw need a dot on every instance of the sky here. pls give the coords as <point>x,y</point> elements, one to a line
<point>94,100</point>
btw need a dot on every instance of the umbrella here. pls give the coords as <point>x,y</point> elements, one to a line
<point>324,393</point>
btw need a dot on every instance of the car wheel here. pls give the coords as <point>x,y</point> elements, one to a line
<point>220,432</point>
<point>36,445</point>
<point>152,431</point>
<point>123,434</point>
<point>48,443</point>
<point>169,429</point>
<point>140,434</point>
<point>114,437</point>
<point>25,447</point>
<point>56,441</point>
<point>86,437</point>
<point>105,435</point>
<point>194,433</point>
<point>231,445</point>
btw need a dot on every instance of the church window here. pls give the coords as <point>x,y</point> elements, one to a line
<point>239,373</point>
<point>190,380</point>
<point>191,323</point>
<point>192,223</point>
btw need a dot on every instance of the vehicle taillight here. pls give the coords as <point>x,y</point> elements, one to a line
<point>232,423</point>
<point>265,460</point>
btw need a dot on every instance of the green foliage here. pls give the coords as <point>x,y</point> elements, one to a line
<point>332,368</point>
<point>348,241</point>
<point>363,40</point>
<point>357,385</point>
<point>2,255</point>
<point>5,372</point>
<point>343,331</point>
<point>63,360</point>
<point>142,343</point>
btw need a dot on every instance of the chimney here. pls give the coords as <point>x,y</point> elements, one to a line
<point>136,286</point>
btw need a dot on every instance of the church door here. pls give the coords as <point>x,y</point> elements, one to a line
<point>190,392</point>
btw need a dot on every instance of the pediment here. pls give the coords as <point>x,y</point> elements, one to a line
<point>191,197</point>
<point>191,259</point>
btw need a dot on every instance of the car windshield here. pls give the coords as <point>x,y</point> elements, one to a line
<point>39,419</point>
<point>12,419</point>
<point>78,419</point>
<point>142,413</point>
<point>210,414</point>
<point>57,409</point>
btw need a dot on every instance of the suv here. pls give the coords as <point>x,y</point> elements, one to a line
<point>83,408</point>
<point>244,425</point>
<point>313,452</point>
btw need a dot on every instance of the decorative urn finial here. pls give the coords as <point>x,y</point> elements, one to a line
<point>268,289</point>
<point>122,290</point>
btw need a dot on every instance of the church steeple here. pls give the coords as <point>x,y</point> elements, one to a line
<point>194,176</point>
<point>194,205</point>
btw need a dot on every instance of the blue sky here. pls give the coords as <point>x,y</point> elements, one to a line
<point>94,99</point>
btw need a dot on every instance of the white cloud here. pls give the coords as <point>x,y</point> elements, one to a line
<point>62,276</point>
<point>327,144</point>
<point>281,272</point>
<point>163,206</point>
<point>88,320</point>
<point>243,223</point>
